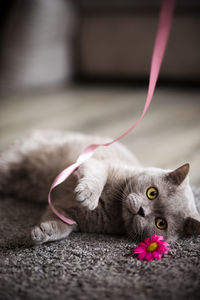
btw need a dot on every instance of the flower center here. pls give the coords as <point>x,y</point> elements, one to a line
<point>152,247</point>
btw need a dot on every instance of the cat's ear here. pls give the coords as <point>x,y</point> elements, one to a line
<point>177,176</point>
<point>191,227</point>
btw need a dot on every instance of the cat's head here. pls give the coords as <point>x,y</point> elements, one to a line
<point>161,202</point>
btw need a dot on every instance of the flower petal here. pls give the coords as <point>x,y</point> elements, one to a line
<point>147,241</point>
<point>164,243</point>
<point>161,249</point>
<point>160,237</point>
<point>142,245</point>
<point>156,255</point>
<point>141,256</point>
<point>149,256</point>
<point>139,250</point>
<point>154,238</point>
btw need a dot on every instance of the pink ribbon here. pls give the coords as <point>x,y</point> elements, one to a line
<point>162,35</point>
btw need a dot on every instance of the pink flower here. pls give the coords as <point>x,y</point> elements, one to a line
<point>152,248</point>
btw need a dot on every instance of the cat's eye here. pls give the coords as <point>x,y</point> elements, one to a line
<point>152,193</point>
<point>161,223</point>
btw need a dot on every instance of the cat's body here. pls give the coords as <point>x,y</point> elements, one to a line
<point>107,194</point>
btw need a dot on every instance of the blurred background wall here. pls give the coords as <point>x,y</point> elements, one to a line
<point>83,65</point>
<point>37,37</point>
<point>51,43</point>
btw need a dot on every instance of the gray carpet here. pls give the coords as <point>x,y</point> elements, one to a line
<point>88,266</point>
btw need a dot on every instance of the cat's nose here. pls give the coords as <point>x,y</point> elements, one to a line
<point>141,212</point>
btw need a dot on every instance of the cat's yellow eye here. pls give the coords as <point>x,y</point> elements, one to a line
<point>161,223</point>
<point>152,193</point>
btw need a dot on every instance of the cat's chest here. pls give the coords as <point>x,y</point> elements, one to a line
<point>106,218</point>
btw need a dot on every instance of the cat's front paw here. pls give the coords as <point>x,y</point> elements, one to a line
<point>87,194</point>
<point>43,233</point>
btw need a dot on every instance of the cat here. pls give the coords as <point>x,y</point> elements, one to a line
<point>111,193</point>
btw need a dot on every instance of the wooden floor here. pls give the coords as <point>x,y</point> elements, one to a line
<point>168,136</point>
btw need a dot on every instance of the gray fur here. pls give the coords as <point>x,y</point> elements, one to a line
<point>105,195</point>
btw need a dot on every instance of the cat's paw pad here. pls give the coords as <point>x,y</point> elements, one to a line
<point>86,195</point>
<point>43,233</point>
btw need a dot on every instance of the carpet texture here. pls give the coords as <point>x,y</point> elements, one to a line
<point>88,266</point>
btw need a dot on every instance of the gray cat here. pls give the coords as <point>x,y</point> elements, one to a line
<point>110,193</point>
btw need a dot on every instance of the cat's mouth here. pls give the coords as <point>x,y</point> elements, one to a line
<point>138,231</point>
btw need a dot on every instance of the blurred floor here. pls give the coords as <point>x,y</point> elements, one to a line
<point>168,136</point>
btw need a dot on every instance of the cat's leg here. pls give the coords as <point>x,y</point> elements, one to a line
<point>92,177</point>
<point>51,228</point>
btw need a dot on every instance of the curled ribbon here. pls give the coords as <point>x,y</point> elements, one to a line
<point>162,35</point>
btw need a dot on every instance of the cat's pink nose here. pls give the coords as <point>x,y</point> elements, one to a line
<point>141,212</point>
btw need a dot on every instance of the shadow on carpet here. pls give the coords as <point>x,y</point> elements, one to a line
<point>88,266</point>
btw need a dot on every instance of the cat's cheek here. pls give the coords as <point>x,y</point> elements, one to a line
<point>126,215</point>
<point>142,221</point>
<point>171,239</point>
<point>172,234</point>
<point>133,203</point>
<point>126,211</point>
<point>146,226</point>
